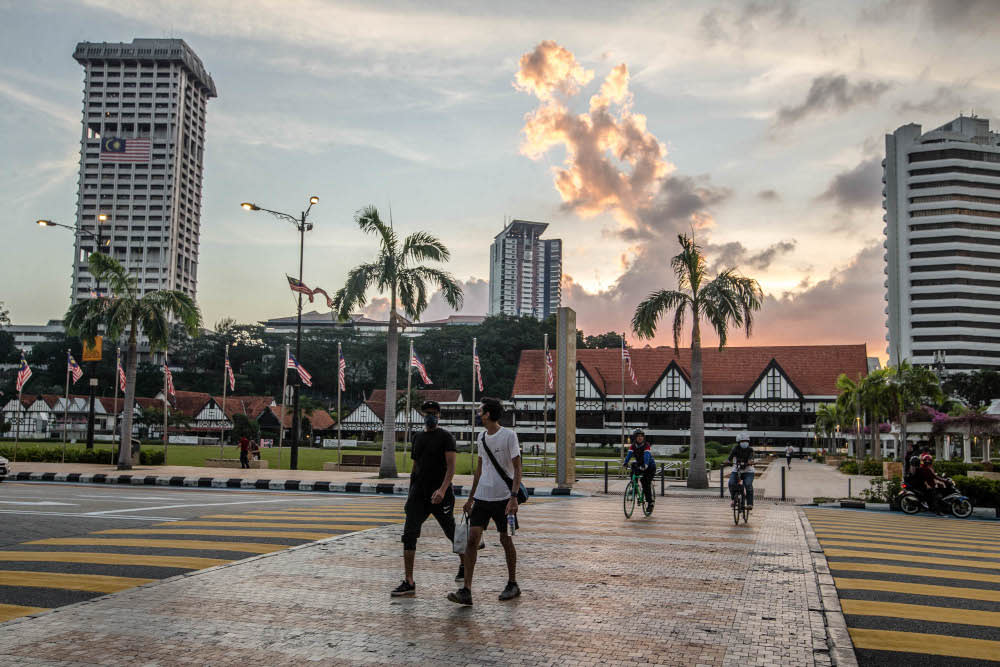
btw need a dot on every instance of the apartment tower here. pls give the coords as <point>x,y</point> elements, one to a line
<point>942,215</point>
<point>141,157</point>
<point>525,271</point>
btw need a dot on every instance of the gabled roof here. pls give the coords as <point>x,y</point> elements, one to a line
<point>376,401</point>
<point>320,419</point>
<point>190,403</point>
<point>251,406</point>
<point>730,372</point>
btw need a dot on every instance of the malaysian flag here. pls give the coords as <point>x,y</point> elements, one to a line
<point>320,290</point>
<point>628,360</point>
<point>478,369</point>
<point>341,371</point>
<point>23,373</point>
<point>116,149</point>
<point>121,371</point>
<point>229,374</point>
<point>550,380</point>
<point>297,285</point>
<point>170,380</point>
<point>307,379</point>
<point>74,368</point>
<point>419,365</point>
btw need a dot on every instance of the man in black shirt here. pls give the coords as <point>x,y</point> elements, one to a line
<point>742,459</point>
<point>430,490</point>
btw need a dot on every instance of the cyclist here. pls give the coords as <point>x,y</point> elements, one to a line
<point>643,465</point>
<point>742,454</point>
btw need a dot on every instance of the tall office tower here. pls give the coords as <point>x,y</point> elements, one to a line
<point>141,161</point>
<point>942,214</point>
<point>525,271</point>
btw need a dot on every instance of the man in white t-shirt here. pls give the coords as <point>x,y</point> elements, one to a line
<point>492,498</point>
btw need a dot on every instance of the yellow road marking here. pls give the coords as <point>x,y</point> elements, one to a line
<point>916,642</point>
<point>305,517</point>
<point>264,524</point>
<point>917,589</point>
<point>287,534</point>
<point>911,523</point>
<point>97,583</point>
<point>991,538</point>
<point>9,611</point>
<point>909,558</point>
<point>895,546</point>
<point>201,545</point>
<point>183,562</point>
<point>878,534</point>
<point>914,571</point>
<point>919,612</point>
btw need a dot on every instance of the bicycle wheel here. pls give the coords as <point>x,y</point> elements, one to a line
<point>737,508</point>
<point>629,500</point>
<point>647,508</point>
<point>746,512</point>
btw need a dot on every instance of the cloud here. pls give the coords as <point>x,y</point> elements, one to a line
<point>550,69</point>
<point>735,255</point>
<point>728,25</point>
<point>944,99</point>
<point>63,115</point>
<point>475,302</point>
<point>831,92</point>
<point>377,309</point>
<point>963,15</point>
<point>769,195</point>
<point>860,187</point>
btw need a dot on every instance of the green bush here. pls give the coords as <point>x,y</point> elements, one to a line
<point>981,491</point>
<point>955,468</point>
<point>848,467</point>
<point>819,458</point>
<point>32,454</point>
<point>871,467</point>
<point>883,490</point>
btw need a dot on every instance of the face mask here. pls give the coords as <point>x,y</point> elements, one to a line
<point>431,420</point>
<point>744,445</point>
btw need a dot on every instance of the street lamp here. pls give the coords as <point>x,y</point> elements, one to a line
<point>858,448</point>
<point>302,226</point>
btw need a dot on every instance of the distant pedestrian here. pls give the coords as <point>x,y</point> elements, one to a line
<point>788,456</point>
<point>493,497</point>
<point>434,455</point>
<point>244,452</point>
<point>255,450</point>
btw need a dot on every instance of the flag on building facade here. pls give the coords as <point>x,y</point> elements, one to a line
<point>74,368</point>
<point>170,380</point>
<point>121,371</point>
<point>297,285</point>
<point>304,375</point>
<point>229,374</point>
<point>23,372</point>
<point>550,380</point>
<point>116,149</point>
<point>628,362</point>
<point>342,371</point>
<point>478,369</point>
<point>419,365</point>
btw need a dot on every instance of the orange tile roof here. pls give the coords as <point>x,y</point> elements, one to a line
<point>251,406</point>
<point>376,400</point>
<point>733,371</point>
<point>320,419</point>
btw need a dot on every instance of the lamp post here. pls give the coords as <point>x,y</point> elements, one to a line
<point>302,226</point>
<point>97,291</point>
<point>858,449</point>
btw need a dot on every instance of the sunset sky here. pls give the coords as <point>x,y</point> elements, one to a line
<point>759,126</point>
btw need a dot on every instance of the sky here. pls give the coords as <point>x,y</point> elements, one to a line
<point>756,126</point>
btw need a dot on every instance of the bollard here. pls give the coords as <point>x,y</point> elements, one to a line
<point>663,480</point>
<point>721,492</point>
<point>605,477</point>
<point>848,487</point>
<point>782,482</point>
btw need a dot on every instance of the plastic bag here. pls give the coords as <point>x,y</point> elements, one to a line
<point>461,540</point>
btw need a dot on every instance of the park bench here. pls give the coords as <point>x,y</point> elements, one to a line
<point>356,462</point>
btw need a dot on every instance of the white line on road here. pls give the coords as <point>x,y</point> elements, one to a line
<point>90,516</point>
<point>170,507</point>
<point>33,502</point>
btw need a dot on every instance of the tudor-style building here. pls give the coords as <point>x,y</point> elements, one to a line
<point>365,421</point>
<point>773,392</point>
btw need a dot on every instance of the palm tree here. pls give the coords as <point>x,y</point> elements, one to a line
<point>911,387</point>
<point>849,402</point>
<point>128,311</point>
<point>396,271</point>
<point>827,420</point>
<point>730,299</point>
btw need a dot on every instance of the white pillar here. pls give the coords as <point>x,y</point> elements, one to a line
<point>967,448</point>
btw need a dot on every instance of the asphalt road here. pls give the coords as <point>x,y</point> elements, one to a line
<point>915,590</point>
<point>61,544</point>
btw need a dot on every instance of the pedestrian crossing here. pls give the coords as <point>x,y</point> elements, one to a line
<point>41,574</point>
<point>915,589</point>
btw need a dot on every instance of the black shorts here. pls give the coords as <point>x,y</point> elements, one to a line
<point>418,507</point>
<point>484,510</point>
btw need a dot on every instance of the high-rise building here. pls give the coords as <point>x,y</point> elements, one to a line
<point>141,161</point>
<point>525,271</point>
<point>942,215</point>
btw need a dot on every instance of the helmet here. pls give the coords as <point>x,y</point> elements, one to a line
<point>636,433</point>
<point>926,459</point>
<point>743,436</point>
<point>914,461</point>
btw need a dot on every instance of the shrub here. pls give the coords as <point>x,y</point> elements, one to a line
<point>871,467</point>
<point>34,454</point>
<point>981,491</point>
<point>883,490</point>
<point>848,467</point>
<point>955,468</point>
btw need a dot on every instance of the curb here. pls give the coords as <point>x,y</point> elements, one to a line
<point>986,513</point>
<point>838,639</point>
<point>367,488</point>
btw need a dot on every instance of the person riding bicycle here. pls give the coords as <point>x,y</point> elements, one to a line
<point>742,454</point>
<point>643,464</point>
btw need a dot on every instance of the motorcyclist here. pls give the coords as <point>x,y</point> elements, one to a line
<point>643,464</point>
<point>929,482</point>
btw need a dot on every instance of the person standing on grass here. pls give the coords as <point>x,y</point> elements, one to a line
<point>244,452</point>
<point>255,450</point>
<point>492,498</point>
<point>434,457</point>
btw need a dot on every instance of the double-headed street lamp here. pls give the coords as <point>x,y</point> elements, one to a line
<point>302,226</point>
<point>97,291</point>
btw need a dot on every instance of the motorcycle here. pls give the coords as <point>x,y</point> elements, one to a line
<point>911,503</point>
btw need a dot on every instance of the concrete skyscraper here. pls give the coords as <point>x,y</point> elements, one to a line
<point>141,161</point>
<point>942,214</point>
<point>525,271</point>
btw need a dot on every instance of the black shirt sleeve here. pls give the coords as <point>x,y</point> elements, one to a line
<point>449,442</point>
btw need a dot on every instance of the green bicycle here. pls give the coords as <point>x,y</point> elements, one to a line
<point>633,495</point>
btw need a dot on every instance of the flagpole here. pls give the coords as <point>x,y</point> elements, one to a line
<point>340,355</point>
<point>114,428</point>
<point>409,384</point>
<point>284,388</point>
<point>17,431</point>
<point>225,383</point>
<point>472,424</point>
<point>166,407</point>
<point>624,447</point>
<point>545,403</point>
<point>66,407</point>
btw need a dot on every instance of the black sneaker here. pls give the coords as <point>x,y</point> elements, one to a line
<point>460,577</point>
<point>404,590</point>
<point>462,596</point>
<point>511,591</point>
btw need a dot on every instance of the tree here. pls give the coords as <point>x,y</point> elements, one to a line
<point>828,417</point>
<point>849,403</point>
<point>127,312</point>
<point>911,387</point>
<point>244,427</point>
<point>977,388</point>
<point>610,339</point>
<point>396,271</point>
<point>730,299</point>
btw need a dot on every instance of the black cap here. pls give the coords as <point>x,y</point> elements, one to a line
<point>430,405</point>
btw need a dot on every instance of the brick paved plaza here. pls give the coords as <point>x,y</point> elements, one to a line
<point>700,590</point>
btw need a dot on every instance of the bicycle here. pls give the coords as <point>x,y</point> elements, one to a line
<point>740,506</point>
<point>633,494</point>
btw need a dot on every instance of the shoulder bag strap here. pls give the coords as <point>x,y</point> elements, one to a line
<point>503,475</point>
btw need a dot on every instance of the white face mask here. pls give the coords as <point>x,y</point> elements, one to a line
<point>744,445</point>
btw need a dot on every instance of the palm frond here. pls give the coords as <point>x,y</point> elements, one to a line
<point>353,294</point>
<point>84,318</point>
<point>421,246</point>
<point>649,311</point>
<point>107,269</point>
<point>688,264</point>
<point>450,288</point>
<point>370,222</point>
